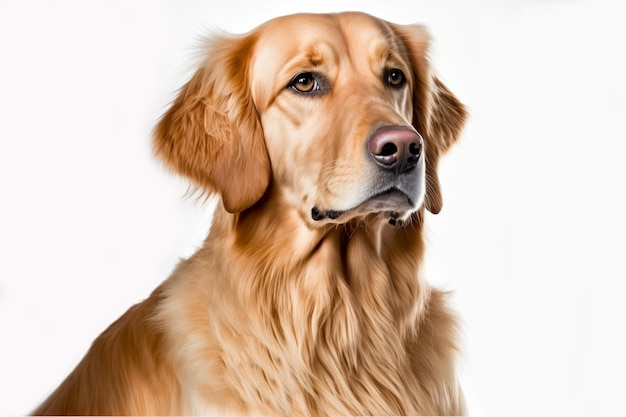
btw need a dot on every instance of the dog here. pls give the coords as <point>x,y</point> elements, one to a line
<point>321,135</point>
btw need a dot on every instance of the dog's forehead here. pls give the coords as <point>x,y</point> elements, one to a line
<point>343,32</point>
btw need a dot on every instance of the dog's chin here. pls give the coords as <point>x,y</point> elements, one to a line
<point>392,205</point>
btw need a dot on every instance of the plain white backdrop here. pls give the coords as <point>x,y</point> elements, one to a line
<point>531,239</point>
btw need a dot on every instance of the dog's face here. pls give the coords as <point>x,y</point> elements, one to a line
<point>339,113</point>
<point>336,109</point>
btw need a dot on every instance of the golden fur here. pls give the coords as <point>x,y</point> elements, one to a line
<point>279,312</point>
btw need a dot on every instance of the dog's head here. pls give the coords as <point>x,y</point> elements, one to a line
<point>339,114</point>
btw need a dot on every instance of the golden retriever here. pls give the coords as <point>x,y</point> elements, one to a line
<point>321,134</point>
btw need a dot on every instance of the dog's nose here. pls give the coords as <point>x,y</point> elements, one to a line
<point>396,148</point>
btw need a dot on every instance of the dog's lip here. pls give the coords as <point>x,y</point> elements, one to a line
<point>377,203</point>
<point>384,195</point>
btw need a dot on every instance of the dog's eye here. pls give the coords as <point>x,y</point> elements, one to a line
<point>305,83</point>
<point>395,78</point>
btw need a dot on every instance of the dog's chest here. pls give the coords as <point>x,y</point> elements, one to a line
<point>341,367</point>
<point>285,385</point>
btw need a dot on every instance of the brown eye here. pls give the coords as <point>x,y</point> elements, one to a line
<point>304,83</point>
<point>395,78</point>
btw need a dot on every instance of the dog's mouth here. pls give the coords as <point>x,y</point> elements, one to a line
<point>393,202</point>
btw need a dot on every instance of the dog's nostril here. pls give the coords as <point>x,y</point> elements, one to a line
<point>415,149</point>
<point>388,149</point>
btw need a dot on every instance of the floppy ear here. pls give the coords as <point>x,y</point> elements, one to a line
<point>437,114</point>
<point>212,134</point>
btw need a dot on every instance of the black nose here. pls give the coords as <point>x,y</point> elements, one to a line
<point>396,148</point>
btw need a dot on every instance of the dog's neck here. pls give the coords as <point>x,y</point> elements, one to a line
<point>361,256</point>
<point>373,263</point>
<point>368,262</point>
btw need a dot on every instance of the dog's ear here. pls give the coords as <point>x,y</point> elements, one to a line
<point>438,115</point>
<point>212,134</point>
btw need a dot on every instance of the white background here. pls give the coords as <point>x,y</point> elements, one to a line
<point>532,235</point>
